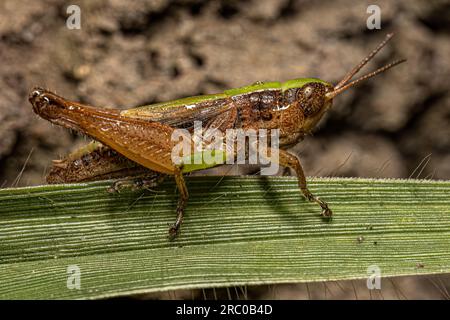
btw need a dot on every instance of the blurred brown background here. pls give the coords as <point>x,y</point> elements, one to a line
<point>131,53</point>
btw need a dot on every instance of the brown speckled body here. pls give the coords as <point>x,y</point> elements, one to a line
<point>289,111</point>
<point>148,141</point>
<point>141,146</point>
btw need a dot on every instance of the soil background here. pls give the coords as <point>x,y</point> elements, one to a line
<point>130,53</point>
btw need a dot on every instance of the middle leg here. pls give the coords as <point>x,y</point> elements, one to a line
<point>184,195</point>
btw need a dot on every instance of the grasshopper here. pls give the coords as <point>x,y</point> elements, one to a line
<point>135,144</point>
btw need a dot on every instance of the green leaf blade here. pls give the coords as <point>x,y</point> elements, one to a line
<point>236,231</point>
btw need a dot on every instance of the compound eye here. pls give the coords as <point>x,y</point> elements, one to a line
<point>308,91</point>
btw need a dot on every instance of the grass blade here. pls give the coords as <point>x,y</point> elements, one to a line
<point>237,231</point>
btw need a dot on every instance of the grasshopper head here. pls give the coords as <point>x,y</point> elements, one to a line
<point>316,97</point>
<point>311,98</point>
